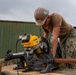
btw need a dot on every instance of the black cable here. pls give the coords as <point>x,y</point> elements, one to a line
<point>17,59</point>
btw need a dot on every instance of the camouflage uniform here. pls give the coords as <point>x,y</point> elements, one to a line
<point>68,47</point>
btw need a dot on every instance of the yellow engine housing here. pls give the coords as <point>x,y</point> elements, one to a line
<point>33,41</point>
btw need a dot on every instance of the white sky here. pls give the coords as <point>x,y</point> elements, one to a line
<point>23,10</point>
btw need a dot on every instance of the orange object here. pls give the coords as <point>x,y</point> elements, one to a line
<point>66,60</point>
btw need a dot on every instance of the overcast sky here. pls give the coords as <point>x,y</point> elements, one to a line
<point>23,10</point>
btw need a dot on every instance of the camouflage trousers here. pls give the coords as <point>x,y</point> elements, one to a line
<point>68,47</point>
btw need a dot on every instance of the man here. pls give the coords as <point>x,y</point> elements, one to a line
<point>59,28</point>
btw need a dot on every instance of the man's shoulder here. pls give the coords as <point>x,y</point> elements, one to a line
<point>57,15</point>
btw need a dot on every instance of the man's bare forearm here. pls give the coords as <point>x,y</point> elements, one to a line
<point>45,35</point>
<point>54,46</point>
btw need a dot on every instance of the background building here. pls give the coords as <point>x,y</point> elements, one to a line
<point>10,32</point>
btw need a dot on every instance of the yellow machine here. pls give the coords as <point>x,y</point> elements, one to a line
<point>30,40</point>
<point>32,44</point>
<point>35,56</point>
